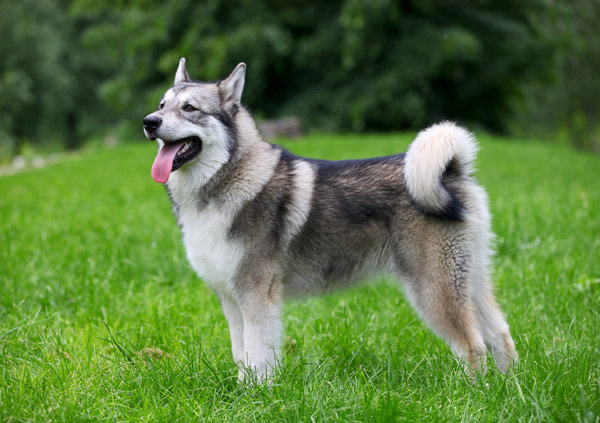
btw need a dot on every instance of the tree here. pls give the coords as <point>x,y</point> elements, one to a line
<point>72,68</point>
<point>340,65</point>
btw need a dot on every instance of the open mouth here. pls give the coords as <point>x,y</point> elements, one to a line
<point>190,149</point>
<point>173,155</point>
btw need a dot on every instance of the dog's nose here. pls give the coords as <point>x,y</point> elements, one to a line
<point>151,123</point>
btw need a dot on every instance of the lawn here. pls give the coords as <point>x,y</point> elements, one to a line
<point>92,271</point>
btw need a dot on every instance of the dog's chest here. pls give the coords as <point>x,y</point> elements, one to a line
<point>212,254</point>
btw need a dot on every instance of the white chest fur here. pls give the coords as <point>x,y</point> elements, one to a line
<point>213,255</point>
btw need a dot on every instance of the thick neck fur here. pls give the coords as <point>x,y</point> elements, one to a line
<point>228,172</point>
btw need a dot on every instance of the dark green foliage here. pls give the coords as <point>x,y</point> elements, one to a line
<point>32,81</point>
<point>72,68</point>
<point>47,78</point>
<point>567,102</point>
<point>339,65</point>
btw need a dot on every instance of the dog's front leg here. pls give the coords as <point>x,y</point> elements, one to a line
<point>233,315</point>
<point>261,312</point>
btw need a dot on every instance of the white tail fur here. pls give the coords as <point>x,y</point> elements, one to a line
<point>428,157</point>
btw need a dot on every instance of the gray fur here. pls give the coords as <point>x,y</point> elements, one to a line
<point>261,224</point>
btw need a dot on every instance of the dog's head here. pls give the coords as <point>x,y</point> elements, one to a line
<point>194,121</point>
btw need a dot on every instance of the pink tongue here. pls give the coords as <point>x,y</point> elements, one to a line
<point>164,162</point>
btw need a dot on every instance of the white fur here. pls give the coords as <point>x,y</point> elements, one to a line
<point>429,155</point>
<point>169,96</point>
<point>300,204</point>
<point>214,257</point>
<point>262,340</point>
<point>235,321</point>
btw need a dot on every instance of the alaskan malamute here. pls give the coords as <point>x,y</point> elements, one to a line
<point>260,224</point>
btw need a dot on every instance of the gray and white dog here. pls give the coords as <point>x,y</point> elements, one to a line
<point>260,224</point>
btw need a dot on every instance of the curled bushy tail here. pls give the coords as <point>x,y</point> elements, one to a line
<point>437,151</point>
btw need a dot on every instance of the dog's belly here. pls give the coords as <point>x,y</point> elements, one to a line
<point>213,256</point>
<point>331,271</point>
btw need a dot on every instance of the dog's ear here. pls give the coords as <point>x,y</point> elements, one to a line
<point>232,87</point>
<point>181,75</point>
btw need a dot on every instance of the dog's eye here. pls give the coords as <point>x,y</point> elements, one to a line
<point>189,108</point>
<point>161,105</point>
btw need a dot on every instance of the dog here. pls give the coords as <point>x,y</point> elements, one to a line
<point>260,224</point>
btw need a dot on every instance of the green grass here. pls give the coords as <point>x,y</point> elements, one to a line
<point>92,271</point>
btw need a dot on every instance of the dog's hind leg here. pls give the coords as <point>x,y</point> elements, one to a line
<point>494,327</point>
<point>438,288</point>
<point>491,319</point>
